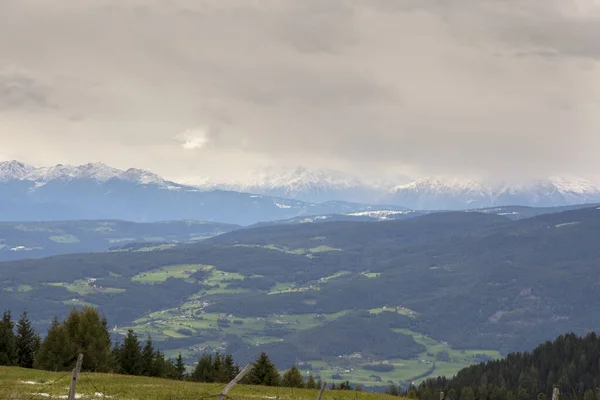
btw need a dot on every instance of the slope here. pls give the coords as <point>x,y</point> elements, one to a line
<point>19,240</point>
<point>450,289</point>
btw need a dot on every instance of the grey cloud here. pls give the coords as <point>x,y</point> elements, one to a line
<point>21,91</point>
<point>430,86</point>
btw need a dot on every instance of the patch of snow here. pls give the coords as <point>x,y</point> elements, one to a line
<point>30,382</point>
<point>381,215</point>
<point>279,205</point>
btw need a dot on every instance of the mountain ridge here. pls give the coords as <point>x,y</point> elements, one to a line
<point>301,184</point>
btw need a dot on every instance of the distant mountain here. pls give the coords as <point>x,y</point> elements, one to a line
<point>437,194</point>
<point>98,191</point>
<point>423,194</point>
<point>304,184</point>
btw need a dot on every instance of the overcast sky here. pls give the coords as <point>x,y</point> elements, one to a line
<point>214,88</point>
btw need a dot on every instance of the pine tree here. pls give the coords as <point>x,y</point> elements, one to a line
<point>467,393</point>
<point>161,367</point>
<point>8,347</point>
<point>231,368</point>
<point>28,342</point>
<point>310,383</point>
<point>264,372</point>
<point>218,369</point>
<point>204,369</point>
<point>130,355</point>
<point>56,352</point>
<point>393,390</point>
<point>148,358</point>
<point>292,378</point>
<point>180,366</point>
<point>589,395</point>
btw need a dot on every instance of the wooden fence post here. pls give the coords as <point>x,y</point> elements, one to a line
<point>235,381</point>
<point>556,394</point>
<point>76,372</point>
<point>323,386</point>
<point>442,396</point>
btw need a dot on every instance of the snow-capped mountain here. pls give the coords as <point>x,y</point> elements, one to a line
<point>423,194</point>
<point>97,172</point>
<point>98,191</point>
<point>304,184</point>
<point>437,194</point>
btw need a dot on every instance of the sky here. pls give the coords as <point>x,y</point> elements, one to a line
<point>212,89</point>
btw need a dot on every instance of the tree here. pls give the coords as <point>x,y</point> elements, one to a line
<point>203,372</point>
<point>292,378</point>
<point>264,372</point>
<point>230,367</point>
<point>8,347</point>
<point>310,383</point>
<point>130,355</point>
<point>27,342</point>
<point>180,366</point>
<point>56,352</point>
<point>467,393</point>
<point>393,390</point>
<point>90,336</point>
<point>589,395</point>
<point>148,358</point>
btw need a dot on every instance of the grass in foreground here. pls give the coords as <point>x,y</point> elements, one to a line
<point>24,384</point>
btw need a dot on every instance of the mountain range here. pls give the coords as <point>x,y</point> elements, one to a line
<point>98,191</point>
<point>422,194</point>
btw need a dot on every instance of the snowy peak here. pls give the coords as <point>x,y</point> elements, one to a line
<point>298,179</point>
<point>304,184</point>
<point>142,177</point>
<point>95,171</point>
<point>98,172</point>
<point>438,194</point>
<point>10,170</point>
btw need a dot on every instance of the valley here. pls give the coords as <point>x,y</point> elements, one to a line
<point>368,302</point>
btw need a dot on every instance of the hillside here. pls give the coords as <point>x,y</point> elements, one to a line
<point>19,240</point>
<point>569,363</point>
<point>426,295</point>
<point>27,384</point>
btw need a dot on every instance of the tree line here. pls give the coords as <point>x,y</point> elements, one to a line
<point>570,363</point>
<point>86,332</point>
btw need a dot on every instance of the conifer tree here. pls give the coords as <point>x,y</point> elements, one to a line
<point>203,372</point>
<point>310,383</point>
<point>27,342</point>
<point>231,368</point>
<point>56,352</point>
<point>180,366</point>
<point>130,355</point>
<point>8,346</point>
<point>88,333</point>
<point>292,378</point>
<point>264,372</point>
<point>148,358</point>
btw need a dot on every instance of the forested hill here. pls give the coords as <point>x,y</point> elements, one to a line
<point>444,288</point>
<point>570,363</point>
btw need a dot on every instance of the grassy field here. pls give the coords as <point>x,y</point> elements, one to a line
<point>26,384</point>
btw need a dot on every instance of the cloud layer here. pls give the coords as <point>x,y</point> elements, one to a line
<point>214,88</point>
